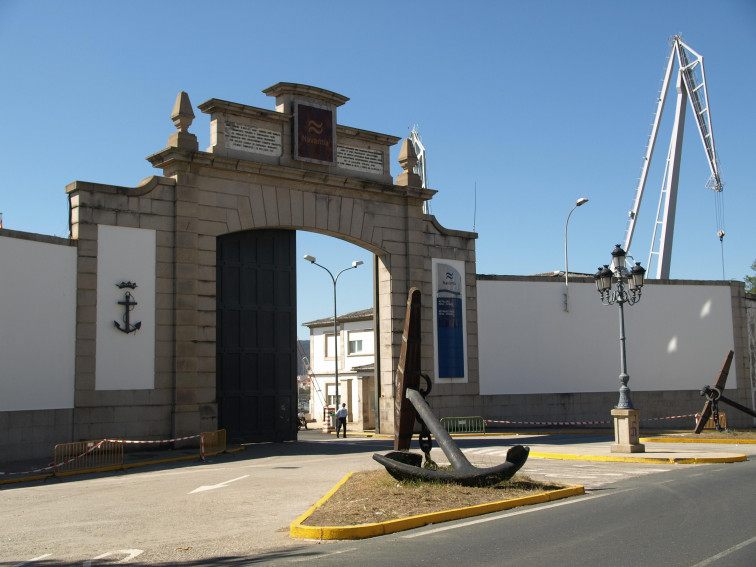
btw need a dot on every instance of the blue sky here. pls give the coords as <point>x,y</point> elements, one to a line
<point>535,103</point>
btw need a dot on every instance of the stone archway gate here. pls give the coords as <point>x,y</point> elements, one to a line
<point>291,168</point>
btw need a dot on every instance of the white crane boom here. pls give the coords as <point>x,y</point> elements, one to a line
<point>420,166</point>
<point>691,85</point>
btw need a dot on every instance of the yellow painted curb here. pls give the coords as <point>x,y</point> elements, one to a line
<point>298,530</point>
<point>702,440</point>
<point>25,479</point>
<point>651,460</point>
<point>109,468</point>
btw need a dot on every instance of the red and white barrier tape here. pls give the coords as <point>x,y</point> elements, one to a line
<point>546,422</point>
<point>57,465</point>
<point>98,445</point>
<point>151,442</point>
<point>580,422</point>
<point>670,417</point>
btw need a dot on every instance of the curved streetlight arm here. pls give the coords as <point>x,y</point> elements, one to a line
<point>356,263</point>
<point>580,202</point>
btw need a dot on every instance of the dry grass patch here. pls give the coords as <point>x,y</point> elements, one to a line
<point>375,496</point>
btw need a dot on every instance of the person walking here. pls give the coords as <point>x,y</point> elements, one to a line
<point>341,416</point>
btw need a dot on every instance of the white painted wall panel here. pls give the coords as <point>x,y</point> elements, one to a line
<point>125,361</point>
<point>677,338</point>
<point>37,325</point>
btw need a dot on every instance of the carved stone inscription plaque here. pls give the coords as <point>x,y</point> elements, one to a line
<point>253,140</point>
<point>368,161</point>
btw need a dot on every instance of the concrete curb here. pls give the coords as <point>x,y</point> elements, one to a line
<point>298,530</point>
<point>123,466</point>
<point>652,460</point>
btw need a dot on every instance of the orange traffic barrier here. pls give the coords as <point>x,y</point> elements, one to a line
<point>213,442</point>
<point>87,456</point>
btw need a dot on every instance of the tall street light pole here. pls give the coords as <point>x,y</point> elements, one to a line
<point>356,263</point>
<point>627,289</point>
<point>580,202</point>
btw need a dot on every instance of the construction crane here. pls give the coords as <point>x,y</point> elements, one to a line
<point>691,85</point>
<point>420,166</point>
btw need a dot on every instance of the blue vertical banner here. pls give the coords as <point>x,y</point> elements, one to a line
<point>449,307</point>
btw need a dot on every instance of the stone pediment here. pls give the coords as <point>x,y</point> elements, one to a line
<point>302,132</point>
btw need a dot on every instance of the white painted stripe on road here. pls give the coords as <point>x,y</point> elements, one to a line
<point>725,553</point>
<point>484,450</point>
<point>219,485</point>
<point>562,475</point>
<point>130,554</point>
<point>321,555</point>
<point>32,560</point>
<point>505,516</point>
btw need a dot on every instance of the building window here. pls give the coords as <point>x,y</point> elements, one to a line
<point>329,346</point>
<point>331,395</point>
<point>355,347</point>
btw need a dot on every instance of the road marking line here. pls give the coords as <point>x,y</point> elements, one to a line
<point>726,552</point>
<point>219,485</point>
<point>32,560</point>
<point>324,554</point>
<point>484,450</point>
<point>562,475</point>
<point>130,554</point>
<point>511,514</point>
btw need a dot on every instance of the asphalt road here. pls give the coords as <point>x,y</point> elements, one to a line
<point>236,511</point>
<point>687,517</point>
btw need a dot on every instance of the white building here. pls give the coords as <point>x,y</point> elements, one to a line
<point>356,361</point>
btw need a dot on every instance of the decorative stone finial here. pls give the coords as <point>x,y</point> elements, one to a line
<point>408,161</point>
<point>182,117</point>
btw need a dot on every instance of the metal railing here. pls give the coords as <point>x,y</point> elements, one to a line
<point>213,442</point>
<point>107,454</point>
<point>474,424</point>
<point>710,423</point>
<point>87,456</point>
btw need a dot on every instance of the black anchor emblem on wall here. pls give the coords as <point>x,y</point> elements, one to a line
<point>128,304</point>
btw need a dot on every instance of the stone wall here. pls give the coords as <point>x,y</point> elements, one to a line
<point>203,195</point>
<point>543,364</point>
<point>37,343</point>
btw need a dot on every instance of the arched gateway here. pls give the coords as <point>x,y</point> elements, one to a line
<point>203,259</point>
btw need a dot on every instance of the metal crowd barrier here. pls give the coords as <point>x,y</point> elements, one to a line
<point>710,423</point>
<point>474,424</point>
<point>213,442</point>
<point>87,455</point>
<point>107,454</point>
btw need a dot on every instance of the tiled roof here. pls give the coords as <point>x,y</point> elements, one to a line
<point>362,315</point>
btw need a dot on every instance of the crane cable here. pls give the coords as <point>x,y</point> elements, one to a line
<point>719,213</point>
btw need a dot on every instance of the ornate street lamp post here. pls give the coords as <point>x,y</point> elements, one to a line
<point>620,286</point>
<point>356,263</point>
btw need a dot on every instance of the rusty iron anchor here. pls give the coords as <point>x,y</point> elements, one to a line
<point>402,464</point>
<point>714,395</point>
<point>406,466</point>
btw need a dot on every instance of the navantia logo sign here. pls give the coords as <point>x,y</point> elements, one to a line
<point>314,136</point>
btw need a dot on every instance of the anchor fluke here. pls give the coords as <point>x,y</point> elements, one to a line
<point>403,465</point>
<point>406,466</point>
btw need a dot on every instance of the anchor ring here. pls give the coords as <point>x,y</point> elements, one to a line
<point>712,394</point>
<point>428,383</point>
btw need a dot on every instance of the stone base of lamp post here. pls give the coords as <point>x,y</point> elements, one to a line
<point>626,431</point>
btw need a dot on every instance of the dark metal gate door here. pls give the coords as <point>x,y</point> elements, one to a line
<point>256,335</point>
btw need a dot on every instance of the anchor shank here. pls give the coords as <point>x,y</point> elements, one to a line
<point>448,446</point>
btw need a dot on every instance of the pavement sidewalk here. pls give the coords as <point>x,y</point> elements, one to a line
<point>561,445</point>
<point>289,478</point>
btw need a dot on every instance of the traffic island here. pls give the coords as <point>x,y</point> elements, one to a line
<point>317,522</point>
